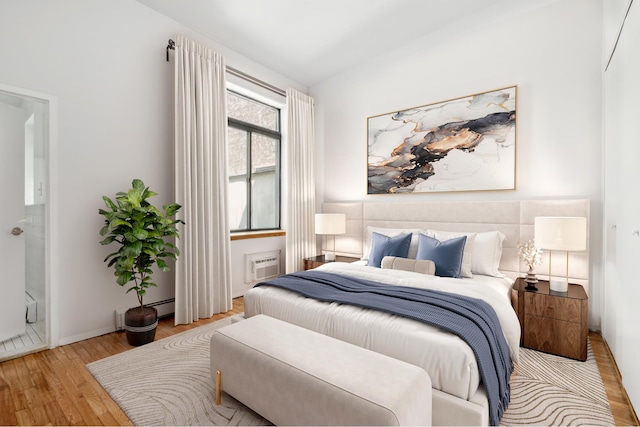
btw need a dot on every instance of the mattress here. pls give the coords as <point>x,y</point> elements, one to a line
<point>448,360</point>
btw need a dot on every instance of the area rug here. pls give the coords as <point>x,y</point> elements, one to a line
<point>168,382</point>
<point>550,390</point>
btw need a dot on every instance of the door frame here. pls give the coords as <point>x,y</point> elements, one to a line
<point>51,211</point>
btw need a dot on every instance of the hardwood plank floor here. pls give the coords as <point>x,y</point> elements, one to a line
<point>622,410</point>
<point>53,387</point>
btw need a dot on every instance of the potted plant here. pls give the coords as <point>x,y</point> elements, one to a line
<point>141,231</point>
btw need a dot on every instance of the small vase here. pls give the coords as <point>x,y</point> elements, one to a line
<point>531,276</point>
<point>531,280</point>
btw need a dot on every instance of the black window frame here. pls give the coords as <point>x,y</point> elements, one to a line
<point>250,129</point>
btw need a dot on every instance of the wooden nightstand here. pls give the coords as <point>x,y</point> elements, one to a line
<point>553,322</point>
<point>317,261</point>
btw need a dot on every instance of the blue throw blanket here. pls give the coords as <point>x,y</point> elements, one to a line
<point>472,319</point>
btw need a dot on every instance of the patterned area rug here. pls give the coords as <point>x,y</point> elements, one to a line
<point>552,390</point>
<point>168,382</point>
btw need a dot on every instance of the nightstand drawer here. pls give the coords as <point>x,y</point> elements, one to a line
<point>555,308</point>
<point>554,336</point>
<point>310,264</point>
<point>554,322</point>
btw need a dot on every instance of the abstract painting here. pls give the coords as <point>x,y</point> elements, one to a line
<point>464,144</point>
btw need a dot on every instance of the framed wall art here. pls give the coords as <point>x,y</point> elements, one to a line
<point>463,144</point>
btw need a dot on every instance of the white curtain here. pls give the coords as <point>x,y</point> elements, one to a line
<point>301,202</point>
<point>203,269</point>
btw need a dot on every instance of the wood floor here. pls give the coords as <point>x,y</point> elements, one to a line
<point>53,387</point>
<point>623,412</point>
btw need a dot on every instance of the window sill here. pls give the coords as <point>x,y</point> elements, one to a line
<point>257,234</point>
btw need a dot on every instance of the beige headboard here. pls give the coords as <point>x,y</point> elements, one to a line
<point>514,218</point>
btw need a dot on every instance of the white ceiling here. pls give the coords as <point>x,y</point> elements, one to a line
<point>309,41</point>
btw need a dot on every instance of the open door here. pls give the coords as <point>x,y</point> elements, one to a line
<point>12,238</point>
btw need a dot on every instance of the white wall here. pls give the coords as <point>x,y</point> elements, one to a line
<point>622,207</point>
<point>105,62</point>
<point>553,54</point>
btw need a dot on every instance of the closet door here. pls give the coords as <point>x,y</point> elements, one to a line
<point>622,203</point>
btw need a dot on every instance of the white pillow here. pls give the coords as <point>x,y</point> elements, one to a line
<point>391,232</point>
<point>467,255</point>
<point>487,252</point>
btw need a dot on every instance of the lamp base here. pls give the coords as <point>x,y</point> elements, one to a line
<point>330,256</point>
<point>558,285</point>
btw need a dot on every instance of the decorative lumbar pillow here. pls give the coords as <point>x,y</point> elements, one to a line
<point>487,251</point>
<point>466,269</point>
<point>391,232</point>
<point>424,266</point>
<point>382,246</point>
<point>447,255</point>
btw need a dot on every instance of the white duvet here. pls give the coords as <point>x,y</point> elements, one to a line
<point>446,358</point>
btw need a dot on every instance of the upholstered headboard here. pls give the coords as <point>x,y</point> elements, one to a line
<point>514,218</point>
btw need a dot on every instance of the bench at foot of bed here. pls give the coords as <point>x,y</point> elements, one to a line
<point>294,376</point>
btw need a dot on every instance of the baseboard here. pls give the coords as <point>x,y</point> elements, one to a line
<point>86,335</point>
<point>619,377</point>
<point>613,359</point>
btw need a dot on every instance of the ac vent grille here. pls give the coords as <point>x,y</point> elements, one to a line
<point>261,266</point>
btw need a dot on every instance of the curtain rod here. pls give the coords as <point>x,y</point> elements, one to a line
<point>172,45</point>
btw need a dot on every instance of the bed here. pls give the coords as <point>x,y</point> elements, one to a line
<point>459,397</point>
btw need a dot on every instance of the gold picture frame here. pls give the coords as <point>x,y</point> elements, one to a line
<point>462,144</point>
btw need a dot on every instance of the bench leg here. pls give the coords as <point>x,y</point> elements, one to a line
<point>218,387</point>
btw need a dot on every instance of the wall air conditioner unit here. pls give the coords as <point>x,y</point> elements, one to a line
<point>261,266</point>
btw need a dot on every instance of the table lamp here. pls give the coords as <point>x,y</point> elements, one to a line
<point>330,224</point>
<point>567,234</point>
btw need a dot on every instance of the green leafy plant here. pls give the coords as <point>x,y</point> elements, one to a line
<point>141,230</point>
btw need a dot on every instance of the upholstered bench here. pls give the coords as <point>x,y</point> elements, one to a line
<point>294,376</point>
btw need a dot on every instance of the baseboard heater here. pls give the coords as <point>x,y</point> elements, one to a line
<point>165,308</point>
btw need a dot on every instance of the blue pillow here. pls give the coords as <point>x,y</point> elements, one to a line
<point>446,255</point>
<point>382,246</point>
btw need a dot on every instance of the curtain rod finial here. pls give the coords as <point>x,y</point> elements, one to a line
<point>170,45</point>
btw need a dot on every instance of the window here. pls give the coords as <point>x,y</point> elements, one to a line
<point>254,164</point>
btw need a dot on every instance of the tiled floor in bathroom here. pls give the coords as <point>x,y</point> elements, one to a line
<point>35,335</point>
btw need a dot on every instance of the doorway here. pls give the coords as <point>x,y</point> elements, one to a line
<point>27,138</point>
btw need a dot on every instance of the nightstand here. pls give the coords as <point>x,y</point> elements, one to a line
<point>553,322</point>
<point>317,261</point>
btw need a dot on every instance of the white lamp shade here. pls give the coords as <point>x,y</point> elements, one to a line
<point>561,233</point>
<point>331,223</point>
